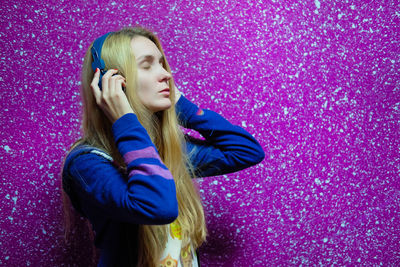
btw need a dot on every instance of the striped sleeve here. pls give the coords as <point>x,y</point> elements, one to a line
<point>147,195</point>
<point>147,161</point>
<point>139,153</point>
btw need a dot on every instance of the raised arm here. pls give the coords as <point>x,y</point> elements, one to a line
<point>227,148</point>
<point>146,195</point>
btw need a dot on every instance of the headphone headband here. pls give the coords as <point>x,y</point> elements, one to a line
<point>98,62</point>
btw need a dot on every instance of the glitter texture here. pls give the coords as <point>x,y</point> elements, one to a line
<point>316,82</point>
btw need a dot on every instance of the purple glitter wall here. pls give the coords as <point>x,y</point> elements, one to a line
<point>316,82</point>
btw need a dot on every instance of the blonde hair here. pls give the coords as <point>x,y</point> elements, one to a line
<point>164,131</point>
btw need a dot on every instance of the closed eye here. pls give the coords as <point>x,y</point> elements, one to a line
<point>150,59</point>
<point>146,65</point>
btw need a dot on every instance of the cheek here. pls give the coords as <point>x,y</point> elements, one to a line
<point>143,86</point>
<point>145,92</point>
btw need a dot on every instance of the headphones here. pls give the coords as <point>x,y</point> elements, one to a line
<point>98,62</point>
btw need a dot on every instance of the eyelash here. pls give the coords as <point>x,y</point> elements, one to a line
<point>149,66</point>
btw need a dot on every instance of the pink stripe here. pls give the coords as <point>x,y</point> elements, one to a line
<point>148,152</point>
<point>148,169</point>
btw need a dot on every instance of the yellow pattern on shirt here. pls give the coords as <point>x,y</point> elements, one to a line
<point>176,231</point>
<point>175,254</point>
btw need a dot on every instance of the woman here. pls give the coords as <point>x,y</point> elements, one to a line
<point>130,174</point>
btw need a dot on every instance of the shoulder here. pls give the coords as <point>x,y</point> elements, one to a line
<point>81,163</point>
<point>85,151</point>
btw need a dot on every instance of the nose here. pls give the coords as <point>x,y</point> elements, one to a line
<point>165,75</point>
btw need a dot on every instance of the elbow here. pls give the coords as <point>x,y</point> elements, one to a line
<point>255,152</point>
<point>154,208</point>
<point>168,206</point>
<point>255,155</point>
<point>170,217</point>
<point>165,209</point>
<point>151,214</point>
<point>259,155</point>
<point>167,213</point>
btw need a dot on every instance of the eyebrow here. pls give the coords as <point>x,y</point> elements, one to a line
<point>149,58</point>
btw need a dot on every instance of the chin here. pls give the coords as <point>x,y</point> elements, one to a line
<point>162,106</point>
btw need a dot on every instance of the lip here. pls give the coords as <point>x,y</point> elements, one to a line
<point>165,91</point>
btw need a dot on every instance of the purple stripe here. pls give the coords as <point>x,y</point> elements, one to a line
<point>148,152</point>
<point>148,169</point>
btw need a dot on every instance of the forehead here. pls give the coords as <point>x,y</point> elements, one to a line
<point>142,46</point>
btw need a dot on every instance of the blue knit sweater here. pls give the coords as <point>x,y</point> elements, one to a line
<point>117,202</point>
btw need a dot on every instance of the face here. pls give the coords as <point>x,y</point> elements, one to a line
<point>153,88</point>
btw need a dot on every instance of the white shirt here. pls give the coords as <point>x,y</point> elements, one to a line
<point>174,254</point>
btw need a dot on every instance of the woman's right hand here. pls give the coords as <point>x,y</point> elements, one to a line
<point>111,99</point>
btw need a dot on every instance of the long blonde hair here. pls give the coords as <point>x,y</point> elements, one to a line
<point>164,131</point>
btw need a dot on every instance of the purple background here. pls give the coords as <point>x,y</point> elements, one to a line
<point>316,82</point>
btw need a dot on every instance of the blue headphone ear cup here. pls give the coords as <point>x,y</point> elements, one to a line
<point>102,72</point>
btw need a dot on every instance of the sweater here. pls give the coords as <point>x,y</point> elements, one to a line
<point>117,202</point>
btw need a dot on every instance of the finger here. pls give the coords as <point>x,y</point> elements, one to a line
<point>106,80</point>
<point>122,80</point>
<point>115,78</point>
<point>121,84</point>
<point>118,76</point>
<point>110,73</point>
<point>95,84</point>
<point>116,83</point>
